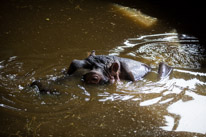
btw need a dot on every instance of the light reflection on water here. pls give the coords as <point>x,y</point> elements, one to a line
<point>192,114</point>
<point>183,93</point>
<point>179,99</point>
<point>178,50</point>
<point>38,40</point>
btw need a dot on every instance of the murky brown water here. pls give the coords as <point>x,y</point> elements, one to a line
<point>40,39</point>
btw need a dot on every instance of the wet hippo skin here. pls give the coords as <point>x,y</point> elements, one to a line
<point>104,69</point>
<point>108,69</point>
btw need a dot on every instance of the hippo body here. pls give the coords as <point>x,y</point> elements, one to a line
<point>105,69</point>
<point>108,69</point>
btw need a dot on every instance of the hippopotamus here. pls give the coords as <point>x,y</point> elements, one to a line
<point>106,69</point>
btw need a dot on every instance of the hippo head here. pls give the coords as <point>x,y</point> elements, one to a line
<point>103,69</point>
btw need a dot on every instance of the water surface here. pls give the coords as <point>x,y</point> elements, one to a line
<point>38,40</point>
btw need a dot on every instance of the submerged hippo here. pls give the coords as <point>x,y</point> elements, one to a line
<point>108,69</point>
<point>105,69</point>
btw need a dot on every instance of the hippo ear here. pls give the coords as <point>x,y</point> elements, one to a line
<point>115,67</point>
<point>92,53</point>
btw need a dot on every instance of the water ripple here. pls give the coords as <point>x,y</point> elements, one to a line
<point>178,50</point>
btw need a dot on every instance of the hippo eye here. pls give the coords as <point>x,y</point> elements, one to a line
<point>95,78</point>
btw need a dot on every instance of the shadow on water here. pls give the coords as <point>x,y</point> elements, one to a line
<point>41,43</point>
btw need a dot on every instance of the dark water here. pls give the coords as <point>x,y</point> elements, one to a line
<point>40,39</point>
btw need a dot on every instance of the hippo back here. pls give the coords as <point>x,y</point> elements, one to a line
<point>133,70</point>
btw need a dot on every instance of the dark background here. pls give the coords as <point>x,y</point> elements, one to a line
<point>188,16</point>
